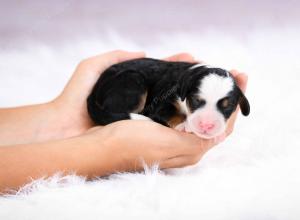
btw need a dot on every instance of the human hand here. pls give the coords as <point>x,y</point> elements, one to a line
<point>71,107</point>
<point>129,144</point>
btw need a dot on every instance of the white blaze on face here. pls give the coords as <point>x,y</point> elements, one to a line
<point>208,121</point>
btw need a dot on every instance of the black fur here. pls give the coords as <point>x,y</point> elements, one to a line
<point>119,90</point>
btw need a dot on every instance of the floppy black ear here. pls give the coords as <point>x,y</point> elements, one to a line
<point>185,83</point>
<point>243,102</point>
<point>183,89</point>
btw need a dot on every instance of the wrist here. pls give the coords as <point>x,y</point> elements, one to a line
<point>96,155</point>
<point>71,118</point>
<point>52,123</point>
<point>30,124</point>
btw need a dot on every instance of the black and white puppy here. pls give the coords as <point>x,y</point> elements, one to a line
<point>189,97</point>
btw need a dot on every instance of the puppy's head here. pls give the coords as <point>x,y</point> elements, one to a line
<point>208,96</point>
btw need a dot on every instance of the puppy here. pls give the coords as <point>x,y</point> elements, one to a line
<point>188,97</point>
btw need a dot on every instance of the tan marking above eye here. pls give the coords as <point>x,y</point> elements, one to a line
<point>225,103</point>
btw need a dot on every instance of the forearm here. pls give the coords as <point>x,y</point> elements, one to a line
<point>33,123</point>
<point>20,164</point>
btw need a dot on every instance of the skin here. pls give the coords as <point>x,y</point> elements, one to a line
<point>58,136</point>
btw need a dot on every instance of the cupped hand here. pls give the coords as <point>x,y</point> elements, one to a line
<point>129,144</point>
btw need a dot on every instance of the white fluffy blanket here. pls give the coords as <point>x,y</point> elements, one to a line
<point>253,175</point>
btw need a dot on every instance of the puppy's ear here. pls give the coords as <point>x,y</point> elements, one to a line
<point>185,84</point>
<point>243,102</point>
<point>183,90</point>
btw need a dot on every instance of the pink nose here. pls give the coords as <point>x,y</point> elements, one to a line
<point>206,126</point>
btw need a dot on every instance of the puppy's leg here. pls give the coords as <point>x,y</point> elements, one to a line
<point>162,113</point>
<point>114,100</point>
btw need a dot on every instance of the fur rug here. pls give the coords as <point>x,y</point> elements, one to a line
<point>253,175</point>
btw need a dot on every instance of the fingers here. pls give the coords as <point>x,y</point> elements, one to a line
<point>121,56</point>
<point>178,162</point>
<point>96,128</point>
<point>101,62</point>
<point>241,79</point>
<point>189,145</point>
<point>231,122</point>
<point>190,159</point>
<point>89,70</point>
<point>187,153</point>
<point>183,57</point>
<point>234,72</point>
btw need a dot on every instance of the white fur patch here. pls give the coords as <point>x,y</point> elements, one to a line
<point>214,87</point>
<point>202,64</point>
<point>207,66</point>
<point>198,65</point>
<point>135,116</point>
<point>183,107</point>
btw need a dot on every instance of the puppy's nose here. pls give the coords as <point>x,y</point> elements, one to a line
<point>206,126</point>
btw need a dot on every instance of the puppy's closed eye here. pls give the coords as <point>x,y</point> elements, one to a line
<point>195,103</point>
